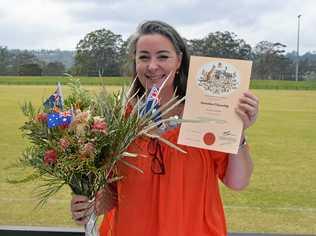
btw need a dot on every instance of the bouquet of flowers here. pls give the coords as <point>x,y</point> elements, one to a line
<point>77,141</point>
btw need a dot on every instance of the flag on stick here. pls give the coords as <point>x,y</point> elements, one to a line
<point>55,102</point>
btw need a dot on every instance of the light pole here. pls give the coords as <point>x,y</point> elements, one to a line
<point>298,46</point>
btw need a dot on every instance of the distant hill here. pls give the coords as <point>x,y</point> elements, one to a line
<point>66,57</point>
<point>309,55</point>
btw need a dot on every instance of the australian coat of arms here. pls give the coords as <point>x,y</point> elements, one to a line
<point>218,78</point>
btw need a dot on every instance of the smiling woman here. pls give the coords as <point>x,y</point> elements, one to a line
<point>177,193</point>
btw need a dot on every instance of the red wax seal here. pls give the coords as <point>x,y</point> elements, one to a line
<point>209,138</point>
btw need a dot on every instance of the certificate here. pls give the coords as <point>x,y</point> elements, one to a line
<point>213,90</point>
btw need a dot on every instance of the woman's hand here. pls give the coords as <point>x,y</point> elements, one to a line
<point>248,108</point>
<point>81,208</point>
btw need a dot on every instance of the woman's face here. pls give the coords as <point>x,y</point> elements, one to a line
<point>156,58</point>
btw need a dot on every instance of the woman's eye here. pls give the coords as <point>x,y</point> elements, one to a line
<point>163,57</point>
<point>143,57</point>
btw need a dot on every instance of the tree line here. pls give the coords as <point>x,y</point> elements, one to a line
<point>24,62</point>
<point>104,53</point>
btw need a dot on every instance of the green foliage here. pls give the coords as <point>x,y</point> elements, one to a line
<point>79,97</point>
<point>98,53</point>
<point>220,44</point>
<point>28,110</point>
<point>54,69</point>
<point>62,57</point>
<point>310,75</point>
<point>19,62</point>
<point>4,60</point>
<point>31,69</point>
<point>270,62</point>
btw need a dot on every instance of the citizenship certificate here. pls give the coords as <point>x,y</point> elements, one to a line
<point>213,90</point>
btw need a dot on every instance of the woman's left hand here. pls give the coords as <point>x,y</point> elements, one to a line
<point>248,108</point>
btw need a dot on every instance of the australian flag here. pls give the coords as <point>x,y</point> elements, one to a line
<point>152,103</point>
<point>55,101</point>
<point>59,119</point>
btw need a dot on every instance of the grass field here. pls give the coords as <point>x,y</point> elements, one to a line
<point>282,195</point>
<point>283,85</point>
<point>51,80</point>
<point>280,199</point>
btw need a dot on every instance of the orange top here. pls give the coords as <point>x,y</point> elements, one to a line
<point>183,201</point>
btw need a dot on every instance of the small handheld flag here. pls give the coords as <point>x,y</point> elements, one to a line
<point>55,101</point>
<point>152,101</point>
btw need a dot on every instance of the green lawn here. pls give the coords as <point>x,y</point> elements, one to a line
<point>282,195</point>
<point>280,199</point>
<point>283,84</point>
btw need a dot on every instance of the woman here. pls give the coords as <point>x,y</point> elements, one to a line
<point>178,194</point>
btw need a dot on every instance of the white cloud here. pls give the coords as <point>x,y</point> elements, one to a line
<point>32,24</point>
<point>62,23</point>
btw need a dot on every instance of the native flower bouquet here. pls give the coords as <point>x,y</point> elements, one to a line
<point>77,141</point>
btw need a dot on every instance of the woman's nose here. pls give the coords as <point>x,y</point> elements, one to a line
<point>153,64</point>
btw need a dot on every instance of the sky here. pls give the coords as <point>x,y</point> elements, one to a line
<point>60,24</point>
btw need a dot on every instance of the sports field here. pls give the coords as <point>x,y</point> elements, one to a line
<point>280,199</point>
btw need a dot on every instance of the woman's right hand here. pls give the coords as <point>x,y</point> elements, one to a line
<point>81,209</point>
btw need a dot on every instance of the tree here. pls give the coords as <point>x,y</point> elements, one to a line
<point>125,62</point>
<point>54,68</point>
<point>20,58</point>
<point>307,67</point>
<point>57,55</point>
<point>309,75</point>
<point>4,60</point>
<point>196,47</point>
<point>270,61</point>
<point>220,44</point>
<point>31,69</point>
<point>98,53</point>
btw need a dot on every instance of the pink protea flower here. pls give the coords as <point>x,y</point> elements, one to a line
<point>42,117</point>
<point>81,141</point>
<point>81,118</point>
<point>64,143</point>
<point>50,157</point>
<point>99,125</point>
<point>80,123</point>
<point>88,150</point>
